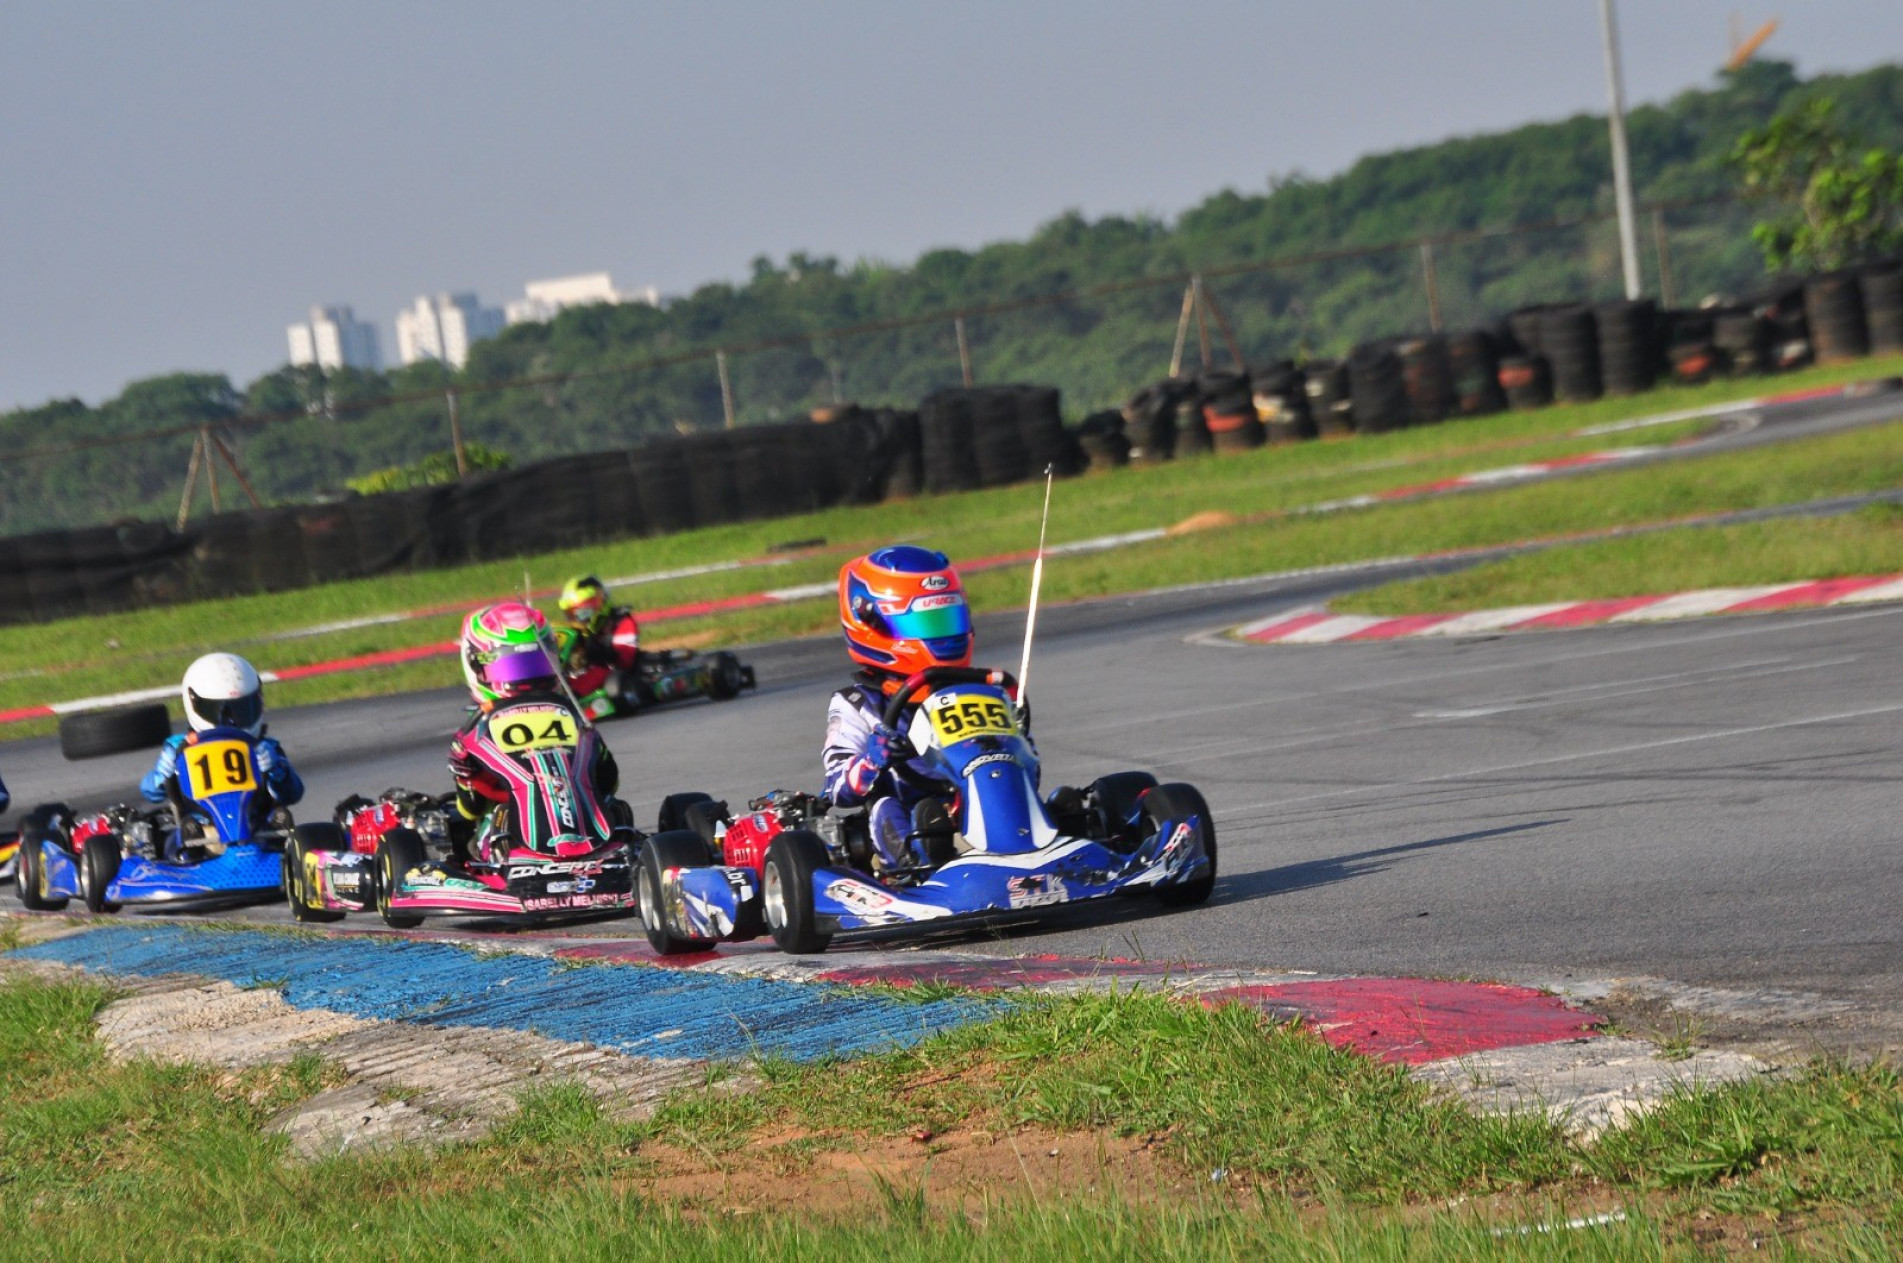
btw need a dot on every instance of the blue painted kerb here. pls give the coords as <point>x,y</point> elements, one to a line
<point>640,1011</point>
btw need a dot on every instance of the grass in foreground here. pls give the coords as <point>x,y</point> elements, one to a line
<point>1324,1155</point>
<point>80,657</point>
<point>1867,542</point>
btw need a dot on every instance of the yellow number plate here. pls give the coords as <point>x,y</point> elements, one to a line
<point>534,728</point>
<point>219,767</point>
<point>960,717</point>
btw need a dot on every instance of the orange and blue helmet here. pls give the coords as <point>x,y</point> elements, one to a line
<point>903,610</point>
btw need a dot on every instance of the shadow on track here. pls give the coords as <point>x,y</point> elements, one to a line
<point>1236,888</point>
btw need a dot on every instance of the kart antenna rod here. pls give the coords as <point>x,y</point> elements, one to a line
<point>1037,582</point>
<point>561,677</point>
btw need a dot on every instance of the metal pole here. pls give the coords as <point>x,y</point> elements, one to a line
<point>1432,279</point>
<point>191,480</point>
<point>236,471</point>
<point>456,434</point>
<point>1182,329</point>
<point>1202,319</point>
<point>1222,324</point>
<point>211,470</point>
<point>1667,296</point>
<point>726,387</point>
<point>964,350</point>
<point>1621,167</point>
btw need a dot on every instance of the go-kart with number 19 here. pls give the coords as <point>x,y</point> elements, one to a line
<point>803,871</point>
<point>213,844</point>
<point>553,848</point>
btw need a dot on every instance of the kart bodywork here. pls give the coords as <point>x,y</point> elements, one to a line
<point>553,848</point>
<point>805,871</point>
<point>673,675</point>
<point>214,844</point>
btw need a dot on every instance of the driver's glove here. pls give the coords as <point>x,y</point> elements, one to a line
<point>265,755</point>
<point>873,760</point>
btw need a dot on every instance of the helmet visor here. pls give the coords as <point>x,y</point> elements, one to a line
<point>583,612</point>
<point>229,712</point>
<point>932,617</point>
<point>521,666</point>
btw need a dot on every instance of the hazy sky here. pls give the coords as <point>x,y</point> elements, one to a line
<point>179,181</point>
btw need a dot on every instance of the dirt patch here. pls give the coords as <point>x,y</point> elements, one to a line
<point>963,1171</point>
<point>1781,1028</point>
<point>1208,520</point>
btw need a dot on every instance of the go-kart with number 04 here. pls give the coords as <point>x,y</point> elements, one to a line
<point>804,871</point>
<point>216,842</point>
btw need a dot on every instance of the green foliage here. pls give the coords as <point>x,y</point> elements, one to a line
<point>1097,349</point>
<point>1836,201</point>
<point>433,470</point>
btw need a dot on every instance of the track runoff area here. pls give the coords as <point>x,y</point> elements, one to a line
<point>1688,816</point>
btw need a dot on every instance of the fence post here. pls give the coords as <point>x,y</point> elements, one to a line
<point>191,480</point>
<point>1202,318</point>
<point>211,470</point>
<point>1182,329</point>
<point>964,350</point>
<point>726,387</point>
<point>456,434</point>
<point>1668,296</point>
<point>1222,323</point>
<point>1432,279</point>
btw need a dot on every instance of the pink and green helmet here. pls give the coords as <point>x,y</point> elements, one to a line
<point>506,650</point>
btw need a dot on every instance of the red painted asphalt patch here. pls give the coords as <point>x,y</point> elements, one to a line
<point>1415,1020</point>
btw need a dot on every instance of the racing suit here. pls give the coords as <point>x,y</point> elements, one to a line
<point>280,781</point>
<point>6,799</point>
<point>593,658</point>
<point>480,791</point>
<point>858,758</point>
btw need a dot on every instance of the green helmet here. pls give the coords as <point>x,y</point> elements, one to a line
<point>584,603</point>
<point>505,651</point>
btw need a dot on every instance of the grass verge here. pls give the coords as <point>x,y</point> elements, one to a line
<point>1866,542</point>
<point>104,654</point>
<point>1316,1153</point>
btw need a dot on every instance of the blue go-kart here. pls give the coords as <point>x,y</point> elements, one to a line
<point>803,871</point>
<point>216,843</point>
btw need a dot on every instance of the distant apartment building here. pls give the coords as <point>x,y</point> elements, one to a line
<point>334,338</point>
<point>544,300</point>
<point>444,328</point>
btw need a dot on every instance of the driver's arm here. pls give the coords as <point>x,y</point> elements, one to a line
<point>274,767</point>
<point>164,773</point>
<point>856,752</point>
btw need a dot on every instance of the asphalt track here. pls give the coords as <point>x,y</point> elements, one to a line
<point>1714,802</point>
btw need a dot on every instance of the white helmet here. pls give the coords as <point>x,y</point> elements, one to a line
<point>222,690</point>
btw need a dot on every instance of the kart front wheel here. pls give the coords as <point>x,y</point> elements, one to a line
<point>660,853</point>
<point>30,876</point>
<point>1175,802</point>
<point>673,815</point>
<point>299,888</point>
<point>1116,805</point>
<point>398,851</point>
<point>98,865</point>
<point>791,860</point>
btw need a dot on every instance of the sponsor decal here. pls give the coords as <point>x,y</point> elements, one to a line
<point>1035,890</point>
<point>983,759</point>
<point>936,602</point>
<point>857,895</point>
<point>579,868</point>
<point>934,583</point>
<point>346,882</point>
<point>580,886</point>
<point>558,903</point>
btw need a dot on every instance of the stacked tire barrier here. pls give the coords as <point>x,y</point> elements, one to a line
<point>1883,308</point>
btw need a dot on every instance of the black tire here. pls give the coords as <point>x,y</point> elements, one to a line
<point>89,734</point>
<point>1377,385</point>
<point>399,851</point>
<point>678,849</point>
<point>1175,800</point>
<point>322,837</point>
<point>29,877</point>
<point>673,814</point>
<point>98,865</point>
<point>705,818</point>
<point>1115,800</point>
<point>787,894</point>
<point>725,676</point>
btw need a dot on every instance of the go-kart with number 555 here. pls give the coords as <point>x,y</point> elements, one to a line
<point>804,871</point>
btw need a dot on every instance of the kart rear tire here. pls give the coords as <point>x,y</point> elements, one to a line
<point>398,851</point>
<point>787,892</point>
<point>98,865</point>
<point>673,816</point>
<point>725,676</point>
<point>307,837</point>
<point>90,734</point>
<point>1175,801</point>
<point>679,849</point>
<point>1117,798</point>
<point>705,818</point>
<point>29,876</point>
